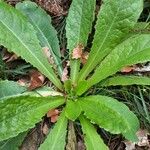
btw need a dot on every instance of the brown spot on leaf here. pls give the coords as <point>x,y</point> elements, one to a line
<point>77,52</point>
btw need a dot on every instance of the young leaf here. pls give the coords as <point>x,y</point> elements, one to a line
<point>80,88</point>
<point>10,88</point>
<point>13,143</point>
<point>18,35</point>
<point>132,51</point>
<point>92,139</point>
<point>126,80</point>
<point>111,115</point>
<point>57,137</point>
<point>72,110</point>
<point>78,27</point>
<point>115,19</point>
<point>45,31</point>
<point>67,86</point>
<point>21,113</point>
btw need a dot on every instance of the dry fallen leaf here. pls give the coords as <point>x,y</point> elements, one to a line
<point>23,82</point>
<point>53,6</point>
<point>49,57</point>
<point>77,52</point>
<point>65,74</point>
<point>12,58</point>
<point>53,114</point>
<point>54,118</point>
<point>127,69</point>
<point>143,138</point>
<point>45,129</point>
<point>143,141</point>
<point>36,79</point>
<point>84,57</point>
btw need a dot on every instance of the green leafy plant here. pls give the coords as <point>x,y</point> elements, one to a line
<point>26,30</point>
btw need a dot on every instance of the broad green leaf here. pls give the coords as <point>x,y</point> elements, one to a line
<point>115,19</point>
<point>111,115</point>
<point>72,110</point>
<point>93,141</point>
<point>21,113</point>
<point>78,27</point>
<point>13,143</point>
<point>56,139</point>
<point>45,31</point>
<point>132,51</point>
<point>10,88</point>
<point>79,22</point>
<point>126,80</point>
<point>19,36</point>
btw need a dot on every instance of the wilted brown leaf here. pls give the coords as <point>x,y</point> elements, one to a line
<point>53,115</point>
<point>52,6</point>
<point>127,69</point>
<point>23,82</point>
<point>77,52</point>
<point>54,118</point>
<point>65,74</point>
<point>143,142</point>
<point>45,129</point>
<point>36,79</point>
<point>84,57</point>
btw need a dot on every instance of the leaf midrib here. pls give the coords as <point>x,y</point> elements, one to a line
<point>31,110</point>
<point>57,135</point>
<point>46,40</point>
<point>34,56</point>
<point>108,108</point>
<point>93,58</point>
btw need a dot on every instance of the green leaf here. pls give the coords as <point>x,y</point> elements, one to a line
<point>56,139</point>
<point>126,80</point>
<point>132,51</point>
<point>78,27</point>
<point>21,113</point>
<point>115,19</point>
<point>10,88</point>
<point>79,22</point>
<point>72,110</point>
<point>13,143</point>
<point>111,115</point>
<point>80,88</point>
<point>19,36</point>
<point>45,31</point>
<point>67,86</point>
<point>91,137</point>
<point>141,28</point>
